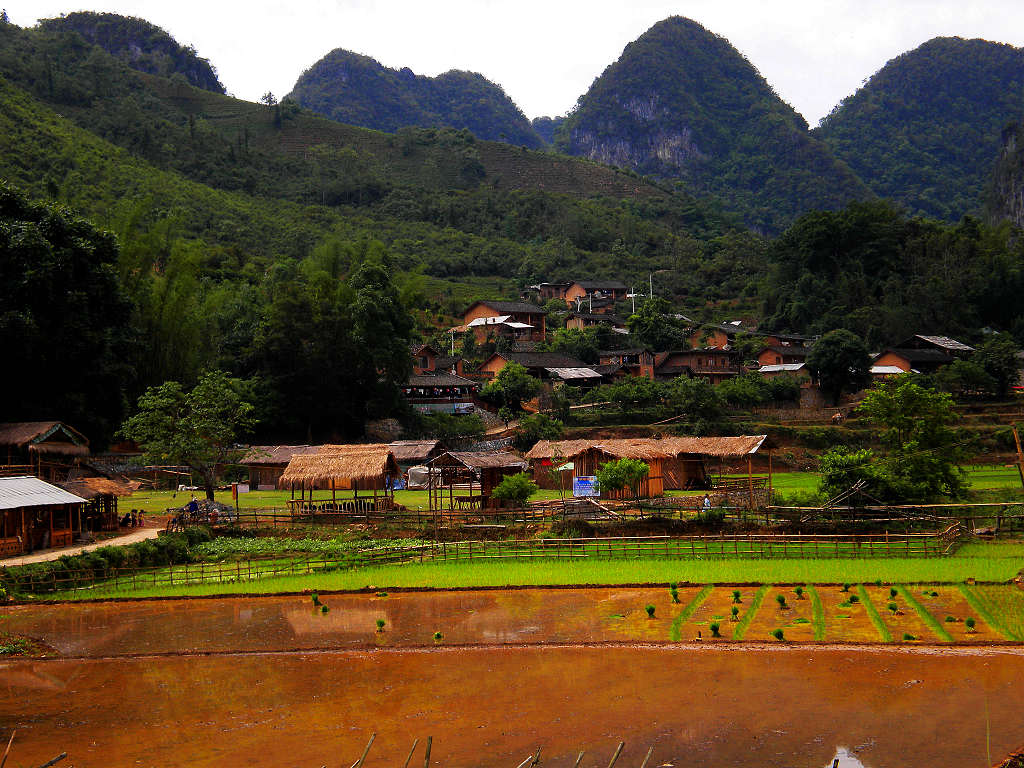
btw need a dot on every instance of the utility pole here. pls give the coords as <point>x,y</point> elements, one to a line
<point>1020,456</point>
<point>650,277</point>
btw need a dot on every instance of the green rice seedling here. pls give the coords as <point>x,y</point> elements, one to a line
<point>854,599</point>
<point>735,613</point>
<point>818,613</point>
<point>893,608</point>
<point>316,598</point>
<point>382,594</point>
<point>799,593</point>
<point>438,636</point>
<point>755,603</point>
<point>1000,606</point>
<point>778,634</point>
<point>324,609</point>
<point>715,627</point>
<point>908,636</point>
<point>951,619</point>
<point>736,596</point>
<point>846,588</point>
<point>883,631</point>
<point>380,625</point>
<point>878,582</point>
<point>675,594</point>
<point>781,600</point>
<point>926,616</point>
<point>970,623</point>
<point>893,592</point>
<point>933,593</point>
<point>650,611</point>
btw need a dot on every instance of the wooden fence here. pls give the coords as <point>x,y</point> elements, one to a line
<point>748,546</point>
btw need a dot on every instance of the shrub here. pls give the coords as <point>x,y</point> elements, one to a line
<point>515,488</point>
<point>650,611</point>
<point>781,600</point>
<point>572,529</point>
<point>778,634</point>
<point>380,625</point>
<point>715,627</point>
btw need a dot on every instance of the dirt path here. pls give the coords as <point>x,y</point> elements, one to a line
<point>135,536</point>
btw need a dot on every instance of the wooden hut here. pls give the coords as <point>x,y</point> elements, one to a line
<point>587,455</point>
<point>266,463</point>
<point>412,453</point>
<point>47,449</point>
<point>35,515</point>
<point>99,513</point>
<point>370,468</point>
<point>466,479</point>
<point>688,466</point>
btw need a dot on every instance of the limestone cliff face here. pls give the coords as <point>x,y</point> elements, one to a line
<point>1005,194</point>
<point>682,103</point>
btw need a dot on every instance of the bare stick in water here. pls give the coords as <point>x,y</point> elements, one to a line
<point>618,751</point>
<point>414,743</point>
<point>358,763</point>
<point>646,759</point>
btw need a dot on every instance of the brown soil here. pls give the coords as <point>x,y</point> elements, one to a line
<point>698,707</point>
<point>771,617</point>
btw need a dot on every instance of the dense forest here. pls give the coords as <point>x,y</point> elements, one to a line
<point>355,89</point>
<point>924,131</point>
<point>682,103</point>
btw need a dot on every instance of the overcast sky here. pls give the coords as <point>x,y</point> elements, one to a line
<point>546,53</point>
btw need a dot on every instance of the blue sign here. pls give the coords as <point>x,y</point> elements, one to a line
<point>585,486</point>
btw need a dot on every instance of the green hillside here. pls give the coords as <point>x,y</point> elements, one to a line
<point>924,131</point>
<point>358,90</point>
<point>139,44</point>
<point>682,103</point>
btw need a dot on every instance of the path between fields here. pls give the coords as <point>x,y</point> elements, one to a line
<point>52,554</point>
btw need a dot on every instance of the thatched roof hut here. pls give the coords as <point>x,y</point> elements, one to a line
<point>587,455</point>
<point>342,467</point>
<point>101,494</point>
<point>474,473</point>
<point>48,447</point>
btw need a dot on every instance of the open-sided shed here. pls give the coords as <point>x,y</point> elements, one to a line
<point>35,515</point>
<point>370,468</point>
<point>44,448</point>
<point>688,469</point>
<point>466,479</point>
<point>99,513</point>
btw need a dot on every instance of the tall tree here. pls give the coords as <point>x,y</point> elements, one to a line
<point>997,355</point>
<point>198,429</point>
<point>840,362</point>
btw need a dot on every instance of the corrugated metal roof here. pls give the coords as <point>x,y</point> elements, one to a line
<point>946,343</point>
<point>573,373</point>
<point>886,370</point>
<point>780,368</point>
<point>17,492</point>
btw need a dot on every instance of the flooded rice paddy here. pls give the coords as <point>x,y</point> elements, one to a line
<point>270,682</point>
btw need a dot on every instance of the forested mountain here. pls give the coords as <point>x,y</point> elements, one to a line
<point>546,127</point>
<point>925,129</point>
<point>1004,195</point>
<point>358,90</point>
<point>682,103</point>
<point>247,233</point>
<point>139,44</point>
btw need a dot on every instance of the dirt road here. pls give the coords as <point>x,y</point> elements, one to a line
<point>139,534</point>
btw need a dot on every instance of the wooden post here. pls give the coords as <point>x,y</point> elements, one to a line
<point>770,494</point>
<point>750,479</point>
<point>1020,456</point>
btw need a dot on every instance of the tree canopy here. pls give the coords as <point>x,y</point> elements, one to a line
<point>840,362</point>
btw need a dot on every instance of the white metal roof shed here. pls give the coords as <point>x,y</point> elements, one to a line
<point>16,492</point>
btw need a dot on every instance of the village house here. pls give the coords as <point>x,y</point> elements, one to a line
<point>35,515</point>
<point>439,391</point>
<point>583,290</point>
<point>266,463</point>
<point>47,449</point>
<point>547,291</point>
<point>921,354</point>
<point>511,318</point>
<point>582,320</point>
<point>549,367</point>
<point>783,354</point>
<point>713,364</point>
<point>426,360</point>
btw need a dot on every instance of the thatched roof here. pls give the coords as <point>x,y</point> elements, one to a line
<point>413,450</point>
<point>720,447</point>
<point>275,454</point>
<point>481,459</point>
<point>91,487</point>
<point>622,448</point>
<point>649,448</point>
<point>340,465</point>
<point>44,437</point>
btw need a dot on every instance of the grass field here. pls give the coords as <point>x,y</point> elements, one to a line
<point>980,477</point>
<point>992,562</point>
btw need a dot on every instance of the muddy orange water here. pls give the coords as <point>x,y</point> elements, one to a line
<point>251,703</point>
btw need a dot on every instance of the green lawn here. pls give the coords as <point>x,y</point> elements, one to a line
<point>985,562</point>
<point>988,477</point>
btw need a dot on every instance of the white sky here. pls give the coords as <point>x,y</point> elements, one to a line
<point>546,53</point>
